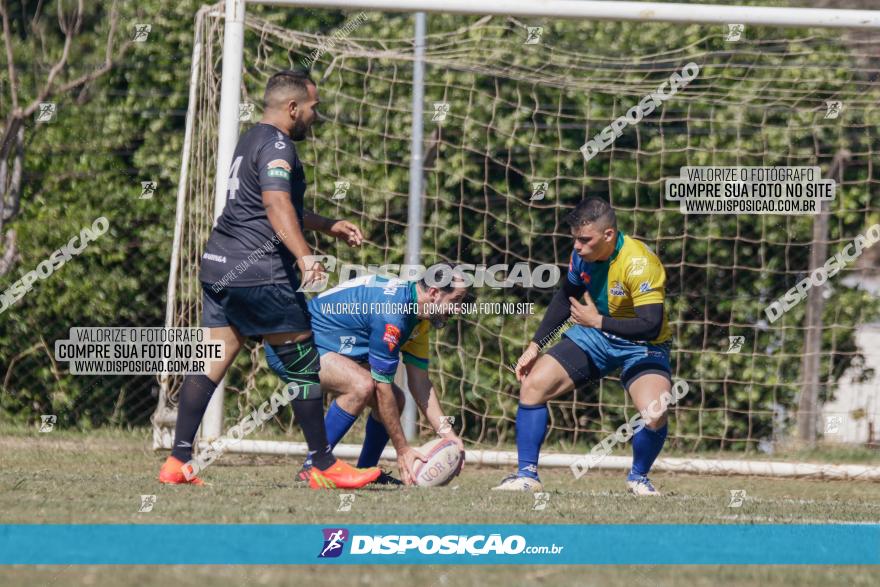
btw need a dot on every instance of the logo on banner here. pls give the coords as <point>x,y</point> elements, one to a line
<point>334,540</point>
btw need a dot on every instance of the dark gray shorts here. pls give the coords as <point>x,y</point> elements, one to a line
<point>256,310</point>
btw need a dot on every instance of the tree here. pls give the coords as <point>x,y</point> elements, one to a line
<point>24,102</point>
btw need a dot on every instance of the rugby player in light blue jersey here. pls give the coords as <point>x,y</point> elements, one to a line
<point>361,329</point>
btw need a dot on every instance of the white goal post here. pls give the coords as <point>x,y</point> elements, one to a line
<point>227,135</point>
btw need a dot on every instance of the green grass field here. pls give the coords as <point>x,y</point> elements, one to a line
<point>71,477</point>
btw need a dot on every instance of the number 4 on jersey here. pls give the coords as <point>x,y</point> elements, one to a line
<point>232,183</point>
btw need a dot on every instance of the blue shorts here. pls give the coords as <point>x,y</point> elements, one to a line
<point>603,353</point>
<point>256,310</point>
<point>348,345</point>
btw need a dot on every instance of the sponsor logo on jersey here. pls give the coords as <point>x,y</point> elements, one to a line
<point>391,336</point>
<point>617,289</point>
<point>278,163</point>
<point>637,265</point>
<point>278,168</point>
<point>645,287</point>
<point>334,540</point>
<point>213,257</point>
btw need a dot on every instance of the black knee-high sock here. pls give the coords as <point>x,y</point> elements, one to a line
<point>195,393</point>
<point>310,415</point>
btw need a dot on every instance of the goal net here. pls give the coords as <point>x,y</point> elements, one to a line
<point>509,105</point>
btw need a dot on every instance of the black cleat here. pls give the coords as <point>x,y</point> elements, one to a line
<point>387,479</point>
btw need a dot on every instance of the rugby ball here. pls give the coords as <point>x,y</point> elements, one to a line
<point>444,463</point>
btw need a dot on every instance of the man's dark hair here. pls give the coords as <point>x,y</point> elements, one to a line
<point>592,210</point>
<point>285,85</point>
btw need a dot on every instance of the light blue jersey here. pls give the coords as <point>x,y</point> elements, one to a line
<point>371,318</point>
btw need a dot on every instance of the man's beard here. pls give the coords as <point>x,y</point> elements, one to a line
<point>299,131</point>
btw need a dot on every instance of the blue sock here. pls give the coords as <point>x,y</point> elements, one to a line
<point>337,422</point>
<point>375,439</point>
<point>647,444</point>
<point>531,427</point>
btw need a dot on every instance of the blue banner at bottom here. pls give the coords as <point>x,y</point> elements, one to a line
<point>494,544</point>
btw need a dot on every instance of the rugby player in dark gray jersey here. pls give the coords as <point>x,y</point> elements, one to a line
<point>250,276</point>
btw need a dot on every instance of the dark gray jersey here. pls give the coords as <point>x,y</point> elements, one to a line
<point>243,249</point>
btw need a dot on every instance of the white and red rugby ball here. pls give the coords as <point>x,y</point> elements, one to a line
<point>444,463</point>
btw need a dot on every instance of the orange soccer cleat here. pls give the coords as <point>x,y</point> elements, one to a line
<point>341,475</point>
<point>172,473</point>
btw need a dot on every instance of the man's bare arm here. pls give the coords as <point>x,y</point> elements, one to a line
<point>313,221</point>
<point>422,390</point>
<point>406,455</point>
<point>340,229</point>
<point>390,416</point>
<point>282,217</point>
<point>425,396</point>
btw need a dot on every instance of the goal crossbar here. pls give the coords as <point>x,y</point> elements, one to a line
<point>613,10</point>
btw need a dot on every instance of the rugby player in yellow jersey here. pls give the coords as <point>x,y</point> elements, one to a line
<point>619,324</point>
